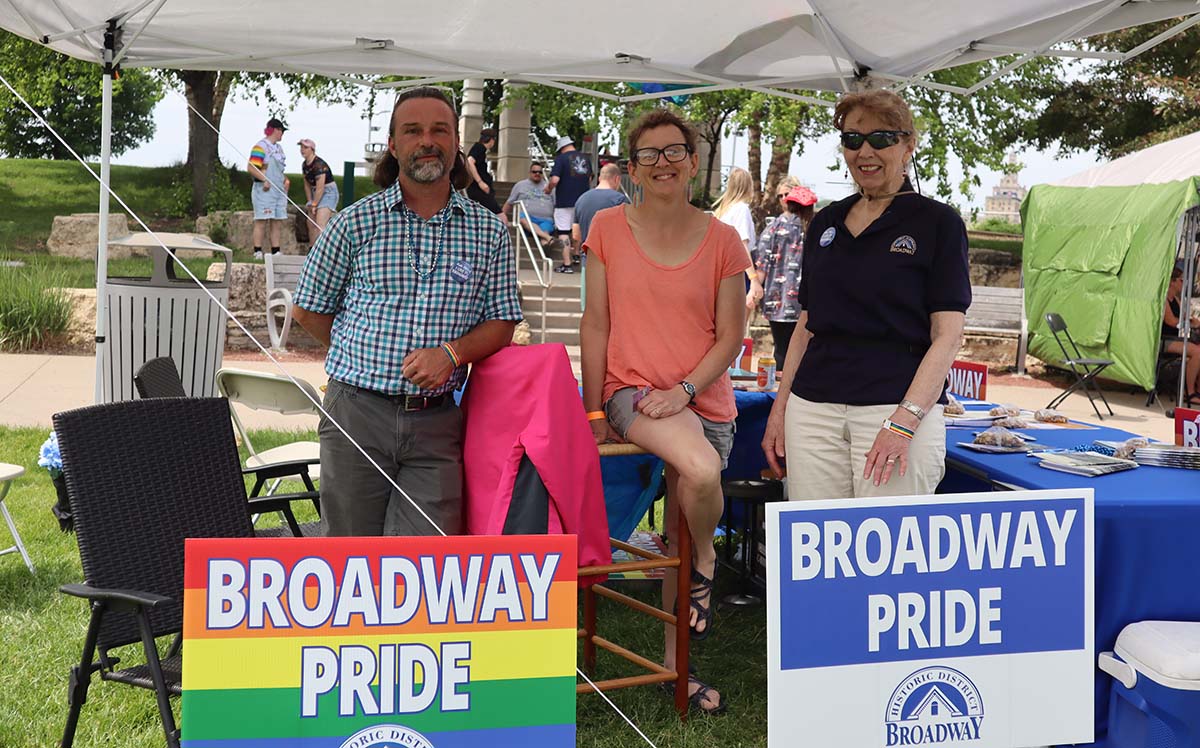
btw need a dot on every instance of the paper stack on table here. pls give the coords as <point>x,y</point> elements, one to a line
<point>1090,464</point>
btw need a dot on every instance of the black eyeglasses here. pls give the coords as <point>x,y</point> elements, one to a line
<point>879,139</point>
<point>674,153</point>
<point>535,171</point>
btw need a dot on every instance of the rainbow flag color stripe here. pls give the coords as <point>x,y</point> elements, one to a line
<point>379,642</point>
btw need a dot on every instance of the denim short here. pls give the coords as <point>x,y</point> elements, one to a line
<point>329,198</point>
<point>621,415</point>
<point>268,204</point>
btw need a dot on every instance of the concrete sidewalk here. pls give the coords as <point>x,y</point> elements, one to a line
<point>33,387</point>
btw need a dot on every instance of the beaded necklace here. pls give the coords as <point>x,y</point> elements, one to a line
<point>413,257</point>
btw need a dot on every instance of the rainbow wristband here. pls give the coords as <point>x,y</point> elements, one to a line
<point>453,356</point>
<point>895,428</point>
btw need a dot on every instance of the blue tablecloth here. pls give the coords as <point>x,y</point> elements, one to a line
<point>1147,531</point>
<point>1147,521</point>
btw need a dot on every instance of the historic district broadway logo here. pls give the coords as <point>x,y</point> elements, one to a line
<point>932,706</point>
<point>387,736</point>
<point>905,244</point>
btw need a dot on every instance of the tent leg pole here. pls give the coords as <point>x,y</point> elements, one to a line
<point>102,239</point>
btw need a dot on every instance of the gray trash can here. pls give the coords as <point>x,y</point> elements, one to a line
<point>165,315</point>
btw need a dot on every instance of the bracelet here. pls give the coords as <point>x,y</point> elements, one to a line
<point>596,415</point>
<point>895,428</point>
<point>913,408</point>
<point>454,359</point>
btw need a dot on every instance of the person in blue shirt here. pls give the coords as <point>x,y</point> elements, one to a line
<point>607,194</point>
<point>884,287</point>
<point>406,287</point>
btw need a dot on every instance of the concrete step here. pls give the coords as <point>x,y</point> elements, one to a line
<point>561,320</point>
<point>533,305</point>
<point>568,337</point>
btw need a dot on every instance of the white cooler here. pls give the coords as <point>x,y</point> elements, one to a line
<point>1155,700</point>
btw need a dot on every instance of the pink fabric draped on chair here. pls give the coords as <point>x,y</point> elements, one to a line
<point>522,407</point>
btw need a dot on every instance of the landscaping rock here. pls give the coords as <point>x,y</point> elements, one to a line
<point>239,230</point>
<point>991,267</point>
<point>81,330</point>
<point>248,303</point>
<point>75,235</point>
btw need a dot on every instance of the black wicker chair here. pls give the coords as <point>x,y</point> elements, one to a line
<point>131,518</point>
<point>159,377</point>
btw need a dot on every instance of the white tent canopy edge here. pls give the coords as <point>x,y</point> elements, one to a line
<point>765,46</point>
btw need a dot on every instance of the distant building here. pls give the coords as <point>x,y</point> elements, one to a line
<point>1005,201</point>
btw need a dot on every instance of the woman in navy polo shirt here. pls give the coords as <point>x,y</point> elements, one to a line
<point>884,289</point>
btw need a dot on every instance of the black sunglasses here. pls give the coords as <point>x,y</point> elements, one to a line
<point>535,171</point>
<point>674,153</point>
<point>879,139</point>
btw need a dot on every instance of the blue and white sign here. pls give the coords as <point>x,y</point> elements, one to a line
<point>957,620</point>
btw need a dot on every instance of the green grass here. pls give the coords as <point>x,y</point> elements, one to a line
<point>1004,245</point>
<point>42,634</point>
<point>34,191</point>
<point>71,272</point>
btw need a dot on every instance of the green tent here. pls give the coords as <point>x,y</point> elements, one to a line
<point>1101,257</point>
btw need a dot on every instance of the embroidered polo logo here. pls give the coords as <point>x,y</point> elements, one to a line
<point>827,237</point>
<point>905,244</point>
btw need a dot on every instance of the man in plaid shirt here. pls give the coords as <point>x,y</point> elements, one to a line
<point>406,287</point>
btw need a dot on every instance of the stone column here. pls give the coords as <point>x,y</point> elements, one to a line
<point>470,120</point>
<point>512,162</point>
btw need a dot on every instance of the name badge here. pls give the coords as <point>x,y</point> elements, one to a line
<point>827,237</point>
<point>461,271</point>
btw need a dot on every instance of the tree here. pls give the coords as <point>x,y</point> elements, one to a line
<point>787,124</point>
<point>979,129</point>
<point>207,91</point>
<point>1120,107</point>
<point>67,92</point>
<point>711,113</point>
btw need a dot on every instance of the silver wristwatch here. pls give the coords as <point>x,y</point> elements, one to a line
<point>689,388</point>
<point>913,408</point>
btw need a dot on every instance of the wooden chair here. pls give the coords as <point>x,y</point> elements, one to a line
<point>656,673</point>
<point>283,273</point>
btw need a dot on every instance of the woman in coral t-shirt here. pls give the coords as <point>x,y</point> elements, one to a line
<point>665,316</point>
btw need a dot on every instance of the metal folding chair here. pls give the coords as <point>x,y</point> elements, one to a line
<point>8,474</point>
<point>1084,369</point>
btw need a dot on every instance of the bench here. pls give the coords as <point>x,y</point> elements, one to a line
<point>1000,312</point>
<point>283,273</point>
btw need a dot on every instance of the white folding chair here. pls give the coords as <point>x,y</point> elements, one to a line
<point>274,392</point>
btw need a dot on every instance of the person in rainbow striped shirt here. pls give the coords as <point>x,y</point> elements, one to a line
<point>268,194</point>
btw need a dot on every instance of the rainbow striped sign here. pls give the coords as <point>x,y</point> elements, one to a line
<point>379,642</point>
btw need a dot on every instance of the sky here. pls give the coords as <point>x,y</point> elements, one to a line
<point>340,133</point>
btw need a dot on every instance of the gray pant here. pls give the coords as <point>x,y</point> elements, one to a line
<point>421,451</point>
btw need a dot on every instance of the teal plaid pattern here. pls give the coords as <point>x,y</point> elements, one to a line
<point>360,272</point>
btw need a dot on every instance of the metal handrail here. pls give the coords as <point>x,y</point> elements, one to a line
<point>542,265</point>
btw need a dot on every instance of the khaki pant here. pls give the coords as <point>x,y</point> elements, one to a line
<point>827,445</point>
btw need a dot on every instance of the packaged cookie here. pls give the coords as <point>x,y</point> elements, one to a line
<point>1050,415</point>
<point>953,407</point>
<point>1007,409</point>
<point>1012,422</point>
<point>998,436</point>
<point>1129,446</point>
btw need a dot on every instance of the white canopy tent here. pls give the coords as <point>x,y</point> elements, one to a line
<point>762,45</point>
<point>1166,162</point>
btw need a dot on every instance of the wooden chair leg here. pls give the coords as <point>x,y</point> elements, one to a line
<point>683,610</point>
<point>589,627</point>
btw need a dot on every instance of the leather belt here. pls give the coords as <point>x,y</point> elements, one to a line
<point>411,403</point>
